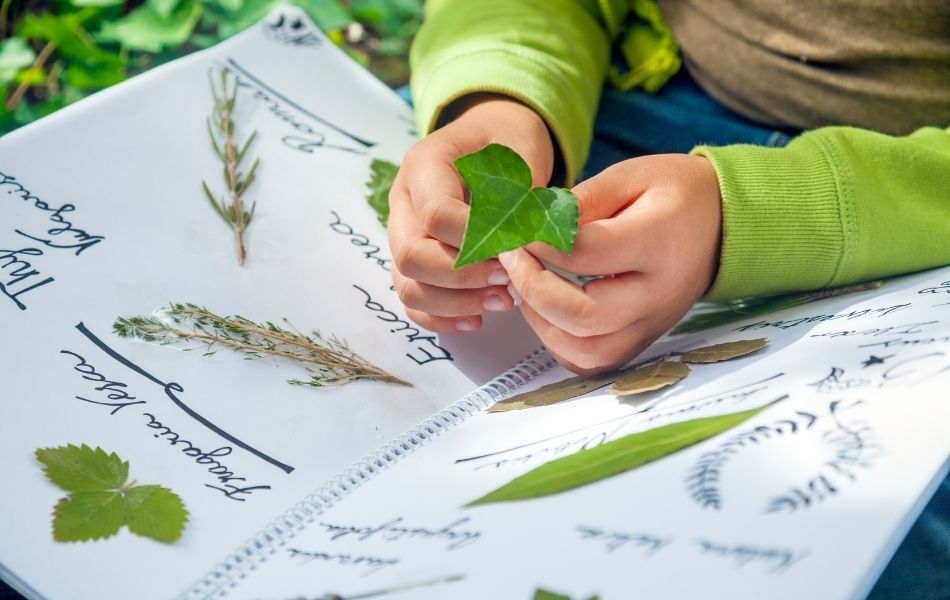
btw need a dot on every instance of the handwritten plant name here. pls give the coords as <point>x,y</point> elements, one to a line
<point>394,531</point>
<point>18,276</point>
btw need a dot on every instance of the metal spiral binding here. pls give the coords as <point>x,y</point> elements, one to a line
<point>219,580</point>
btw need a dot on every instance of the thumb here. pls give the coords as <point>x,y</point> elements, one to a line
<point>608,192</point>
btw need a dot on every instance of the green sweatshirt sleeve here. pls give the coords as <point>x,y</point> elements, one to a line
<point>835,206</point>
<point>550,54</point>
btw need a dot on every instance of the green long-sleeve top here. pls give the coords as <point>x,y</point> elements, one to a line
<point>839,204</point>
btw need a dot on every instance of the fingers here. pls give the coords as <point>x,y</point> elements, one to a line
<point>600,307</point>
<point>610,191</point>
<point>444,324</point>
<point>445,302</point>
<point>430,261</point>
<point>593,355</point>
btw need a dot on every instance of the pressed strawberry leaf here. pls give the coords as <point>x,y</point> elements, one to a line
<point>155,512</point>
<point>80,468</point>
<point>86,516</point>
<point>506,212</point>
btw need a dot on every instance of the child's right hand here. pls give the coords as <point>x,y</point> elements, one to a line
<point>428,212</point>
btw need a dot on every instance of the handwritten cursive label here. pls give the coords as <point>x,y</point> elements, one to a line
<point>425,347</point>
<point>395,531</point>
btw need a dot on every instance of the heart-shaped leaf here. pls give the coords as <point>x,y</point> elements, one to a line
<point>650,377</point>
<point>506,212</point>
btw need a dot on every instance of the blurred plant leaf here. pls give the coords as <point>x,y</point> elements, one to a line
<point>145,29</point>
<point>721,352</point>
<point>15,54</point>
<point>382,175</point>
<point>71,39</point>
<point>98,3</point>
<point>93,77</point>
<point>163,8</point>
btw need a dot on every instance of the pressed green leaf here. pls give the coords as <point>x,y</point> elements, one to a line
<point>15,54</point>
<point>721,352</point>
<point>613,458</point>
<point>145,29</point>
<point>553,393</point>
<point>155,512</point>
<point>506,212</point>
<point>650,377</point>
<point>382,175</point>
<point>82,468</point>
<point>90,515</point>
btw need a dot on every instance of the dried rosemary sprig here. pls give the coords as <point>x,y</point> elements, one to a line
<point>332,362</point>
<point>221,131</point>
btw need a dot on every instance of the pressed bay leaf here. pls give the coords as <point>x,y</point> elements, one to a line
<point>155,512</point>
<point>506,212</point>
<point>613,458</point>
<point>382,175</point>
<point>89,515</point>
<point>80,468</point>
<point>553,393</point>
<point>721,352</point>
<point>650,377</point>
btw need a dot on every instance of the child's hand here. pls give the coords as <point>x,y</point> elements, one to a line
<point>652,225</point>
<point>428,213</point>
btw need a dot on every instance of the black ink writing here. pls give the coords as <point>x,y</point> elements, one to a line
<point>426,350</point>
<point>117,395</point>
<point>354,560</point>
<point>777,560</point>
<point>614,540</point>
<point>848,316</point>
<point>369,250</point>
<point>394,531</point>
<point>21,272</point>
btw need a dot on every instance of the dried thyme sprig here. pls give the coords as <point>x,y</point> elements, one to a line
<point>221,131</point>
<point>331,359</point>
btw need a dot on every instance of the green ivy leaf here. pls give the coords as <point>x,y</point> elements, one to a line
<point>506,212</point>
<point>612,458</point>
<point>93,76</point>
<point>15,54</point>
<point>101,500</point>
<point>86,516</point>
<point>382,175</point>
<point>155,512</point>
<point>77,469</point>
<point>145,29</point>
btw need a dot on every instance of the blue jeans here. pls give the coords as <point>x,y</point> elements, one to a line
<point>677,118</point>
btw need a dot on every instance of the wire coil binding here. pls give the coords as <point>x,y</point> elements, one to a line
<point>256,550</point>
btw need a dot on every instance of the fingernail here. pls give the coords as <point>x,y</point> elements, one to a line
<point>466,325</point>
<point>498,277</point>
<point>494,304</point>
<point>508,259</point>
<point>514,295</point>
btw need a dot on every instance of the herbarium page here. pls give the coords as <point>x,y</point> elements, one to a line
<point>135,343</point>
<point>791,470</point>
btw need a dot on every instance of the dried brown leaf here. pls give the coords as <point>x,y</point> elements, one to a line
<point>721,352</point>
<point>650,377</point>
<point>553,393</point>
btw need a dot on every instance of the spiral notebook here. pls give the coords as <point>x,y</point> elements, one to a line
<point>362,489</point>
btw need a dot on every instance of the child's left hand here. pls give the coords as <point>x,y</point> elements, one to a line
<point>651,226</point>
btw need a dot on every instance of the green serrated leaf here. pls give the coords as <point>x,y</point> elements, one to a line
<point>650,377</point>
<point>721,352</point>
<point>83,469</point>
<point>145,29</point>
<point>506,212</point>
<point>612,458</point>
<point>155,512</point>
<point>15,54</point>
<point>90,515</point>
<point>382,175</point>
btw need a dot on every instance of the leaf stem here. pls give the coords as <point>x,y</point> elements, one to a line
<point>20,91</point>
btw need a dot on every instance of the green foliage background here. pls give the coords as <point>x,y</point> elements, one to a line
<point>54,52</point>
